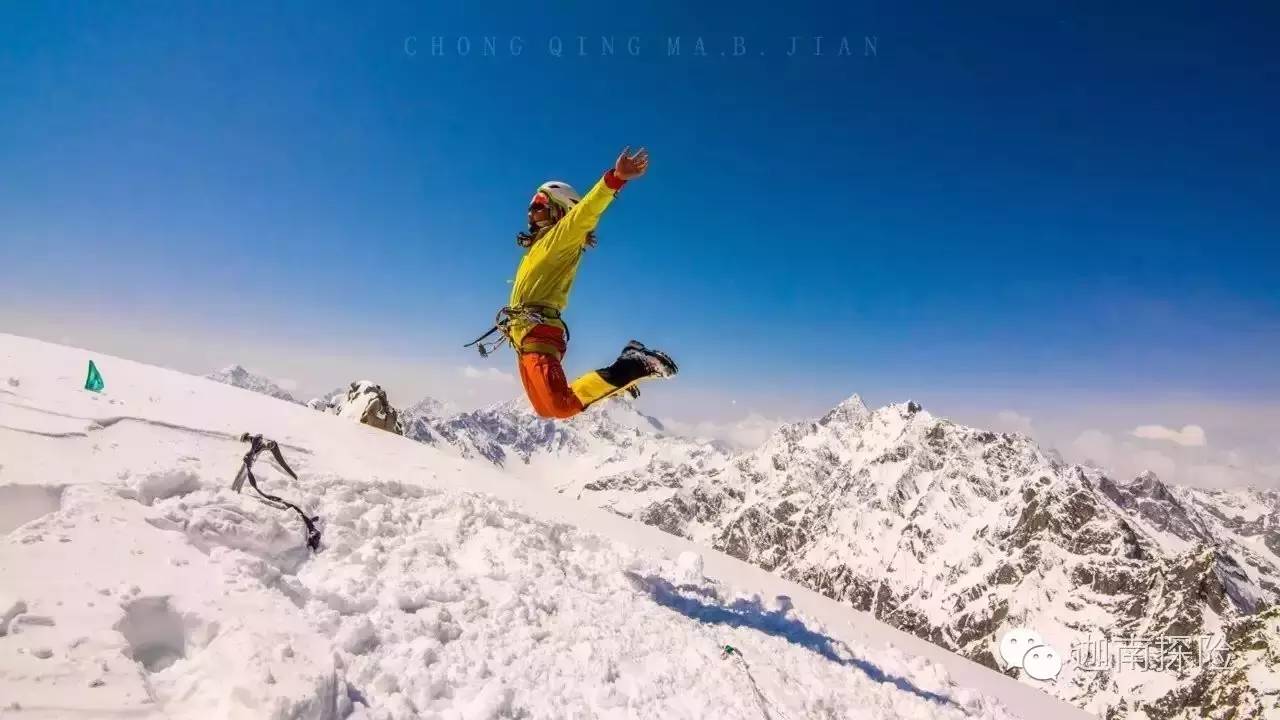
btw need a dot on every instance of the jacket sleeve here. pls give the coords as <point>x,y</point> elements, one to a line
<point>571,232</point>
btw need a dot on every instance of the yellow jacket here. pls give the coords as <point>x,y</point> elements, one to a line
<point>547,270</point>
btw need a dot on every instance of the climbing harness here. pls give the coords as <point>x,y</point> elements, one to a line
<point>533,314</point>
<point>256,445</point>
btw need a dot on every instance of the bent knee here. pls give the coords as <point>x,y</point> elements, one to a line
<point>555,405</point>
<point>557,409</point>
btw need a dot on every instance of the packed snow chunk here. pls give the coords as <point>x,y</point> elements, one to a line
<point>689,568</point>
<point>10,608</point>
<point>243,671</point>
<point>27,620</point>
<point>246,526</point>
<point>20,504</point>
<point>357,635</point>
<point>14,382</point>
<point>154,632</point>
<point>164,484</point>
<point>492,702</point>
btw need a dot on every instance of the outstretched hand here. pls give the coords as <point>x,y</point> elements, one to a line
<point>630,166</point>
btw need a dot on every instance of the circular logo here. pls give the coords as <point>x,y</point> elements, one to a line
<point>1015,644</point>
<point>1042,662</point>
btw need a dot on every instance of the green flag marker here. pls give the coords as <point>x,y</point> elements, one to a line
<point>94,380</point>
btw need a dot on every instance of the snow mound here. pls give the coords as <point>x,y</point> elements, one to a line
<point>162,484</point>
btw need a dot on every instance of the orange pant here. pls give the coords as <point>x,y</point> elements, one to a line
<point>546,386</point>
<point>551,395</point>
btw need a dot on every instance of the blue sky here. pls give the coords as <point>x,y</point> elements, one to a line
<point>1005,200</point>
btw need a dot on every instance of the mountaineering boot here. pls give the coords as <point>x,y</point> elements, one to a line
<point>634,364</point>
<point>659,363</point>
<point>637,362</point>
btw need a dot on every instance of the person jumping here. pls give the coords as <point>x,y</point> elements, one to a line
<point>561,227</point>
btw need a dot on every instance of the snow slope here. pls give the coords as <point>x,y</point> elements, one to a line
<point>134,583</point>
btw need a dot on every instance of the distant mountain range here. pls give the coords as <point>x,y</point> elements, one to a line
<point>239,377</point>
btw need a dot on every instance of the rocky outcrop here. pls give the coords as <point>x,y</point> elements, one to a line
<point>364,402</point>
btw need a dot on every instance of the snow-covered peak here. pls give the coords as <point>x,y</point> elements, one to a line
<point>622,412</point>
<point>431,407</point>
<point>849,411</point>
<point>238,376</point>
<point>1149,484</point>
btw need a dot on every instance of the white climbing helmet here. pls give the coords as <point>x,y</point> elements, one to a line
<point>559,195</point>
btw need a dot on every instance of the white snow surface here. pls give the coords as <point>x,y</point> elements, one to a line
<point>134,583</point>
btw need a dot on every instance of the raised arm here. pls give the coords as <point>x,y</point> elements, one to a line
<point>585,215</point>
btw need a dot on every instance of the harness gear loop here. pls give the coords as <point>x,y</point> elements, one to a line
<point>256,445</point>
<point>533,314</point>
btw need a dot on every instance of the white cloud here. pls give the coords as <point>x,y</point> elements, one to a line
<point>1011,421</point>
<point>1177,463</point>
<point>1222,476</point>
<point>1188,436</point>
<point>288,384</point>
<point>1093,446</point>
<point>743,434</point>
<point>488,375</point>
<point>1123,460</point>
<point>1140,461</point>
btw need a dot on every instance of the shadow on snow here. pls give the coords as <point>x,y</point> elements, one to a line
<point>752,614</point>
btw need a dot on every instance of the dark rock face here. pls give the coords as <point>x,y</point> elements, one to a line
<point>368,403</point>
<point>1227,690</point>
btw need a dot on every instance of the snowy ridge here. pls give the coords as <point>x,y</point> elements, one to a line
<point>237,376</point>
<point>445,588</point>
